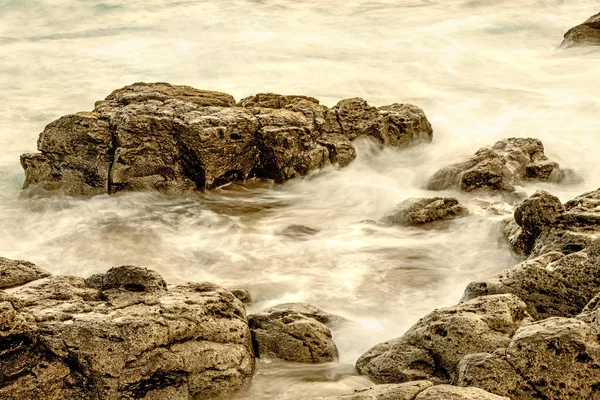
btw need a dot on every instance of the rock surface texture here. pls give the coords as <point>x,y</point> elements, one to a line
<point>587,33</point>
<point>172,139</point>
<point>421,211</point>
<point>122,335</point>
<point>18,272</point>
<point>499,168</point>
<point>294,332</point>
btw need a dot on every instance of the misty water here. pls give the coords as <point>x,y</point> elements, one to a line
<point>481,70</point>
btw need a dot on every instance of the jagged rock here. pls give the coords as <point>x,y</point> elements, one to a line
<point>420,211</point>
<point>433,347</point>
<point>493,373</point>
<point>559,357</point>
<point>399,391</point>
<point>293,332</point>
<point>499,168</point>
<point>123,334</point>
<point>543,225</point>
<point>242,295</point>
<point>448,392</point>
<point>18,272</point>
<point>551,285</point>
<point>399,125</point>
<point>174,139</point>
<point>587,33</point>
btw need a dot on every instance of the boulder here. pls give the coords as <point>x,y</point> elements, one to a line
<point>499,168</point>
<point>421,211</point>
<point>541,224</point>
<point>587,33</point>
<point>448,392</point>
<point>18,272</point>
<point>552,285</point>
<point>398,391</point>
<point>123,334</point>
<point>293,332</point>
<point>242,295</point>
<point>433,347</point>
<point>175,139</point>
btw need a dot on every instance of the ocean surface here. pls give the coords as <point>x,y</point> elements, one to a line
<point>482,70</point>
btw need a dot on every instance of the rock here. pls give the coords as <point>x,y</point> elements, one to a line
<point>299,231</point>
<point>551,285</point>
<point>286,332</point>
<point>310,311</point>
<point>499,168</point>
<point>433,347</point>
<point>448,392</point>
<point>242,295</point>
<point>559,357</point>
<point>420,211</point>
<point>123,334</point>
<point>587,33</point>
<point>401,391</point>
<point>175,139</point>
<point>543,225</point>
<point>399,125</point>
<point>18,272</point>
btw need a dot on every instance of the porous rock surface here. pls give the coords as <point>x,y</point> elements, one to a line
<point>122,335</point>
<point>499,168</point>
<point>587,33</point>
<point>417,390</point>
<point>173,139</point>
<point>294,332</point>
<point>421,211</point>
<point>18,272</point>
<point>433,347</point>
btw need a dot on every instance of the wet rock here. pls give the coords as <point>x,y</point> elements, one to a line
<point>399,125</point>
<point>174,139</point>
<point>242,295</point>
<point>310,311</point>
<point>551,285</point>
<point>433,347</point>
<point>420,211</point>
<point>448,392</point>
<point>75,340</point>
<point>401,391</point>
<point>587,33</point>
<point>499,168</point>
<point>286,332</point>
<point>299,231</point>
<point>543,225</point>
<point>18,272</point>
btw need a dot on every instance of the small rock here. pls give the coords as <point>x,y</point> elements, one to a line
<point>18,272</point>
<point>587,33</point>
<point>242,295</point>
<point>299,231</point>
<point>420,211</point>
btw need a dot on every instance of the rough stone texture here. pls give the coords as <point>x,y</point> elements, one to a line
<point>420,211</point>
<point>433,347</point>
<point>587,33</point>
<point>400,391</point>
<point>293,332</point>
<point>242,295</point>
<point>399,125</point>
<point>499,168</point>
<point>122,335</point>
<point>18,272</point>
<point>448,392</point>
<point>542,224</point>
<point>174,139</point>
<point>552,285</point>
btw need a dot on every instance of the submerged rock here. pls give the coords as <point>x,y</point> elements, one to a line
<point>122,334</point>
<point>18,272</point>
<point>173,139</point>
<point>293,332</point>
<point>587,33</point>
<point>433,347</point>
<point>500,167</point>
<point>420,211</point>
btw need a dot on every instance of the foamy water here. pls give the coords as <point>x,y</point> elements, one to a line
<point>481,70</point>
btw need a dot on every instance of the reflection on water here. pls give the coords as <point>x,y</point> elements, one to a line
<point>481,70</point>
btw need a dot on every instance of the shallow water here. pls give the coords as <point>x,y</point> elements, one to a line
<point>481,70</point>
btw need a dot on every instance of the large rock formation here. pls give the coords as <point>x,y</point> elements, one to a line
<point>499,168</point>
<point>587,33</point>
<point>174,139</point>
<point>421,211</point>
<point>122,335</point>
<point>294,332</point>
